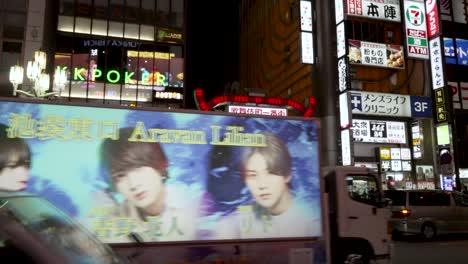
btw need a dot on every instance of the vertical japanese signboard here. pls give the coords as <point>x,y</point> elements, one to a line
<point>345,115</point>
<point>432,18</point>
<point>417,139</point>
<point>346,157</point>
<point>440,104</point>
<point>342,74</point>
<point>339,11</point>
<point>306,15</point>
<point>340,40</point>
<point>307,37</point>
<point>416,30</point>
<point>343,84</point>
<point>437,68</point>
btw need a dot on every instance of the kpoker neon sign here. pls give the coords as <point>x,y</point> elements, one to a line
<point>114,76</point>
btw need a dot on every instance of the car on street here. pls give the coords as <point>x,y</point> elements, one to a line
<point>427,213</point>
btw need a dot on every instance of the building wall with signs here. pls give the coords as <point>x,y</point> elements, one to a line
<point>407,79</point>
<point>454,37</point>
<point>122,52</point>
<point>270,55</point>
<point>21,33</point>
<point>383,53</point>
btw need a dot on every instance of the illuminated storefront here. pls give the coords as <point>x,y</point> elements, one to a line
<point>122,52</point>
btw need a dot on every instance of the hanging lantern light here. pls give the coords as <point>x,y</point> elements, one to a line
<point>16,75</point>
<point>60,79</point>
<point>41,58</point>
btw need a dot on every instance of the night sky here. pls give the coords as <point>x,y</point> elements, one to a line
<point>212,47</point>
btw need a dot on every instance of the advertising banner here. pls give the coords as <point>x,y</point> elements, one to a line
<point>386,104</point>
<point>377,9</point>
<point>432,17</point>
<point>375,131</point>
<point>376,54</point>
<point>167,176</point>
<point>456,56</point>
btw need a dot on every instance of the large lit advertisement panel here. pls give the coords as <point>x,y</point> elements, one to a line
<point>166,176</point>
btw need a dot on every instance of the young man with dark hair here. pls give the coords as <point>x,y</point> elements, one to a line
<point>138,171</point>
<point>15,161</point>
<point>275,211</point>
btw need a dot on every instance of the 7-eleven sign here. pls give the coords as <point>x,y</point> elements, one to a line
<point>416,30</point>
<point>414,15</point>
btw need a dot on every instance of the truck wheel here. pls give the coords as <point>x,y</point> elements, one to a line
<point>428,231</point>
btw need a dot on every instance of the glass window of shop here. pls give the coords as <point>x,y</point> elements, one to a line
<point>116,9</point>
<point>17,5</point>
<point>100,9</point>
<point>67,7</point>
<point>83,8</point>
<point>147,11</point>
<point>13,25</point>
<point>118,70</point>
<point>103,17</point>
<point>168,13</point>
<point>163,12</point>
<point>132,11</point>
<point>177,18</point>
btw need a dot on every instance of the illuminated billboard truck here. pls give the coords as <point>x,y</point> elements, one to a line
<point>193,186</point>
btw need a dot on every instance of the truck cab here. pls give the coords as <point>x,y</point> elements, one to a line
<point>358,216</point>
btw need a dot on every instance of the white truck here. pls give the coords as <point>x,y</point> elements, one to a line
<point>194,187</point>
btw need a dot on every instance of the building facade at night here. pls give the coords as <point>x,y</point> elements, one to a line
<point>17,38</point>
<point>134,53</point>
<point>363,50</point>
<point>114,51</point>
<point>122,51</point>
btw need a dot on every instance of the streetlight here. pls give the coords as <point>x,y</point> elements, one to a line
<point>39,79</point>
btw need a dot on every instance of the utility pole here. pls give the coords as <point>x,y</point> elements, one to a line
<point>324,77</point>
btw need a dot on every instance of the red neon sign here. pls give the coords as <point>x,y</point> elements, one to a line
<point>224,99</point>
